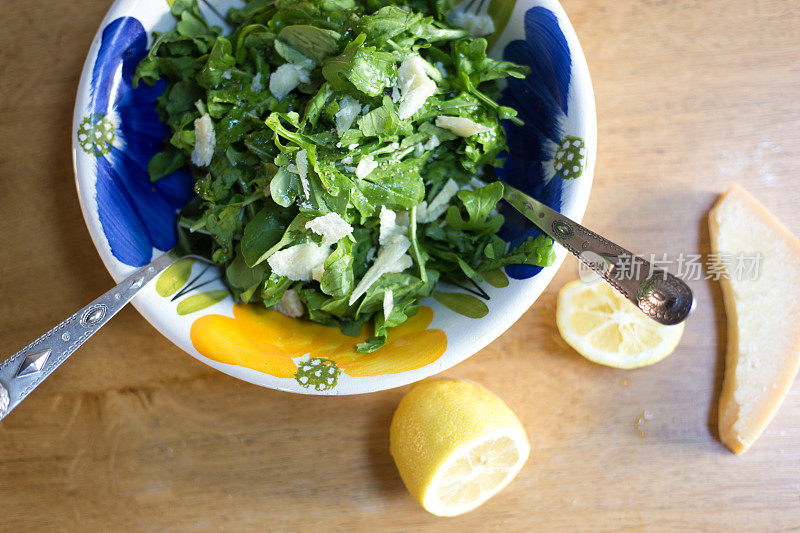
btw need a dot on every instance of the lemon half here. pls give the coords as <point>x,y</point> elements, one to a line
<point>606,328</point>
<point>456,445</point>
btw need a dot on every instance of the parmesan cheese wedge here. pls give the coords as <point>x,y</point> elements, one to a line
<point>763,315</point>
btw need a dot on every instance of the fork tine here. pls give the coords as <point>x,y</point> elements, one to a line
<point>216,12</point>
<point>467,6</point>
<point>473,7</point>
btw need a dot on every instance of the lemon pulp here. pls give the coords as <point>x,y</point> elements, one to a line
<point>603,326</point>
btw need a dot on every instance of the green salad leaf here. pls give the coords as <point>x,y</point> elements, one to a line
<point>329,174</point>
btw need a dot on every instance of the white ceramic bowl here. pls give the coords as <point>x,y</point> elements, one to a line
<point>115,131</point>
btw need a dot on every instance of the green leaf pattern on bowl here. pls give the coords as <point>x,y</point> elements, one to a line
<point>200,301</point>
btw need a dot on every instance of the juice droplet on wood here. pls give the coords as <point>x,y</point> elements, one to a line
<point>640,423</point>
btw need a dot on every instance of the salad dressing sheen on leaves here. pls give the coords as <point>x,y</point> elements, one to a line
<point>335,106</point>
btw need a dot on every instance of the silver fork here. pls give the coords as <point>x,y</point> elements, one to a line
<point>26,369</point>
<point>213,15</point>
<point>473,7</point>
<point>657,293</point>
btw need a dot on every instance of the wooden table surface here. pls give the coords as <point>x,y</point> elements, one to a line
<point>133,434</point>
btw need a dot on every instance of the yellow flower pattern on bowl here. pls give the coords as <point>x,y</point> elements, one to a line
<point>270,342</point>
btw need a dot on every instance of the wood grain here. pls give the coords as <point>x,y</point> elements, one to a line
<point>132,434</point>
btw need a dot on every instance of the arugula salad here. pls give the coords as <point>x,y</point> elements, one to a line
<point>342,153</point>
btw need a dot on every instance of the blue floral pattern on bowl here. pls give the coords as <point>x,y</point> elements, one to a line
<point>539,145</point>
<point>122,130</point>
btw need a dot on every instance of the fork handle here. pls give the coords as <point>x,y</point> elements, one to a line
<point>23,371</point>
<point>660,295</point>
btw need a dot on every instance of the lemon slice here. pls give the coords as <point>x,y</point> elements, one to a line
<point>606,328</point>
<point>456,445</point>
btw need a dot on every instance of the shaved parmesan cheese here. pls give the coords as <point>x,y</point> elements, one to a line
<point>349,108</point>
<point>439,204</point>
<point>286,78</point>
<point>422,213</point>
<point>429,145</point>
<point>365,167</point>
<point>411,73</point>
<point>463,127</point>
<point>391,227</point>
<point>256,85</point>
<point>290,304</point>
<point>227,75</point>
<point>331,227</point>
<point>301,161</point>
<point>476,25</point>
<point>301,164</point>
<point>391,258</point>
<point>415,86</point>
<point>205,141</point>
<point>388,303</point>
<point>403,220</point>
<point>297,262</point>
<point>388,225</point>
<point>476,183</point>
<point>401,264</point>
<point>395,94</point>
<point>432,143</point>
<point>317,271</point>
